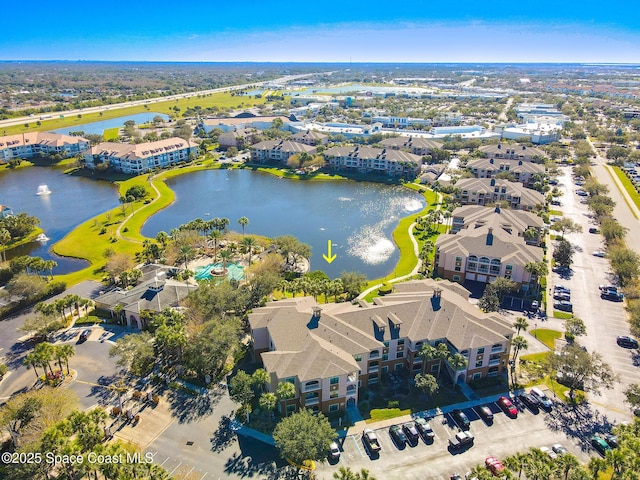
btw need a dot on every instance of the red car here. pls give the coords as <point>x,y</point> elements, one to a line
<point>507,405</point>
<point>494,465</point>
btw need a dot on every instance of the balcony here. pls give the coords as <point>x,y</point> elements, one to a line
<point>375,354</point>
<point>373,368</point>
<point>311,388</point>
<point>311,401</point>
<point>353,378</point>
<point>499,349</point>
<point>494,362</point>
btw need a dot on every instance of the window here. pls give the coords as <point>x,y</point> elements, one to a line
<point>478,363</point>
<point>334,380</point>
<point>399,354</point>
<point>385,369</point>
<point>357,358</point>
<point>290,380</point>
<point>434,368</point>
<point>291,408</point>
<point>333,395</point>
<point>456,278</point>
<point>480,351</point>
<point>398,367</point>
<point>386,344</point>
<point>477,376</point>
<point>333,408</point>
<point>401,342</point>
<point>458,266</point>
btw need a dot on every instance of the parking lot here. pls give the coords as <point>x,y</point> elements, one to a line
<point>503,437</point>
<point>604,319</point>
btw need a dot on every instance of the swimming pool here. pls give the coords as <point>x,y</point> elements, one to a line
<point>234,271</point>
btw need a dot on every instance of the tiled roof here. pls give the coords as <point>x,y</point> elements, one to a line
<point>39,138</point>
<point>141,150</point>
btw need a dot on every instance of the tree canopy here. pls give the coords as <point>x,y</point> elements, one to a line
<point>304,436</point>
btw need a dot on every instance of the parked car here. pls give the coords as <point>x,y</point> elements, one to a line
<point>461,419</point>
<point>485,413</point>
<point>494,465</point>
<point>612,295</point>
<point>398,436</point>
<point>559,449</point>
<point>549,452</point>
<point>371,441</point>
<point>411,432</point>
<point>611,440</point>
<point>608,288</point>
<point>530,401</point>
<point>599,253</point>
<point>507,405</point>
<point>425,429</point>
<point>334,452</point>
<point>545,401</point>
<point>558,295</point>
<point>627,342</point>
<point>84,335</point>
<point>594,230</point>
<point>581,193</point>
<point>600,444</point>
<point>563,305</point>
<point>461,439</point>
<point>562,288</point>
<point>535,305</point>
<point>556,202</point>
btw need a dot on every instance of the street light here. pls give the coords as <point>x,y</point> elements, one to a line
<point>535,329</point>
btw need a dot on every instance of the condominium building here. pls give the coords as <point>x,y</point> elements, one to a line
<point>514,152</point>
<point>330,351</point>
<point>142,157</point>
<point>372,160</point>
<point>416,145</point>
<point>311,138</point>
<point>519,222</point>
<point>522,171</point>
<point>34,144</point>
<point>486,251</point>
<point>489,191</point>
<point>278,151</point>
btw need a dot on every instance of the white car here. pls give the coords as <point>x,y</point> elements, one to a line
<point>549,452</point>
<point>599,253</point>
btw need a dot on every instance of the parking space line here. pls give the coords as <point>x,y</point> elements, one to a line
<point>177,466</point>
<point>165,461</point>
<point>358,442</point>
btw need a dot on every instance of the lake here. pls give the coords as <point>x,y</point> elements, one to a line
<point>98,128</point>
<point>358,217</point>
<point>73,200</point>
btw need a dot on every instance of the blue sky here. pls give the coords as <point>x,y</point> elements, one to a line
<point>330,31</point>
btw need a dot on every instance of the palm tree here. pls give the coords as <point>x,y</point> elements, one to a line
<point>260,378</point>
<point>248,243</point>
<point>65,352</point>
<point>243,221</point>
<point>595,466</point>
<point>186,253</point>
<point>520,324</point>
<point>268,401</point>
<point>162,238</point>
<point>516,462</point>
<point>427,353</point>
<point>565,463</point>
<point>518,343</point>
<point>285,391</point>
<point>337,288</point>
<point>117,311</point>
<point>225,255</point>
<point>215,235</point>
<point>5,238</point>
<point>44,355</point>
<point>31,360</point>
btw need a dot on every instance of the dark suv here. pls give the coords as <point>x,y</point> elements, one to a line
<point>461,419</point>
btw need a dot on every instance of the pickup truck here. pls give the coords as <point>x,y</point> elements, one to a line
<point>371,440</point>
<point>461,439</point>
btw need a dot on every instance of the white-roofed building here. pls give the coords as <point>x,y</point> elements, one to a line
<point>33,144</point>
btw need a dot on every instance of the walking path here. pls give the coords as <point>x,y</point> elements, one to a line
<point>416,251</point>
<point>124,222</point>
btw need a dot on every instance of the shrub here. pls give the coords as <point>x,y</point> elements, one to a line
<point>116,411</point>
<point>385,289</point>
<point>393,404</point>
<point>155,399</point>
<point>103,230</point>
<point>137,395</point>
<point>3,370</point>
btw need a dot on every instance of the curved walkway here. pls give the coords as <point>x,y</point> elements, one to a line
<point>124,222</point>
<point>416,251</point>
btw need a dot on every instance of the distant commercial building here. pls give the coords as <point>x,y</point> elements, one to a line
<point>489,191</point>
<point>347,130</point>
<point>33,144</point>
<point>373,160</point>
<point>278,151</point>
<point>142,157</point>
<point>539,133</point>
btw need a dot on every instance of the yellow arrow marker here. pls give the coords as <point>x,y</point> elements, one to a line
<point>329,258</point>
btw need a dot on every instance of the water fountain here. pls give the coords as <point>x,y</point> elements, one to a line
<point>43,190</point>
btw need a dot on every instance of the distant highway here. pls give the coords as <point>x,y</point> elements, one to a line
<point>149,101</point>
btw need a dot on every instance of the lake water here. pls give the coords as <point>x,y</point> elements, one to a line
<point>358,217</point>
<point>98,128</point>
<point>73,200</point>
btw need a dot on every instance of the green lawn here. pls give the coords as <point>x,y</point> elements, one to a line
<point>546,336</point>
<point>562,315</point>
<point>555,212</point>
<point>221,100</point>
<point>378,414</point>
<point>111,134</point>
<point>628,186</point>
